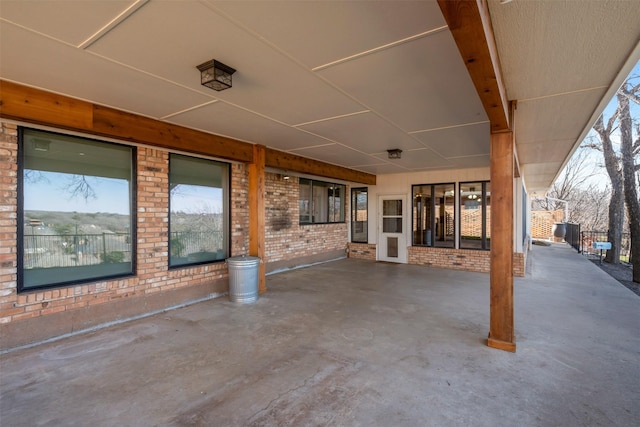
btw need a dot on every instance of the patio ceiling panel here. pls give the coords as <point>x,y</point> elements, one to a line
<point>421,159</point>
<point>69,21</point>
<point>228,120</point>
<point>554,47</point>
<point>418,85</point>
<point>369,132</point>
<point>61,68</point>
<point>337,152</point>
<point>267,82</point>
<point>465,140</point>
<point>479,161</point>
<point>538,173</point>
<point>563,116</point>
<point>553,149</point>
<point>320,32</point>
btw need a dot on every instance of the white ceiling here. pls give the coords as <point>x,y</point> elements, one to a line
<point>337,81</point>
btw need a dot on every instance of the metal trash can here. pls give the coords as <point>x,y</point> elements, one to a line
<point>243,278</point>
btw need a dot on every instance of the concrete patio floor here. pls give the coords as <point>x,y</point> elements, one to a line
<point>352,343</point>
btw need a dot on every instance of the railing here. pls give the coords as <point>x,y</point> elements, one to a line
<point>572,236</point>
<point>71,250</point>
<point>588,237</point>
<point>184,243</point>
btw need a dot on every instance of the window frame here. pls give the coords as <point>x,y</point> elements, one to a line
<point>20,212</point>
<point>432,206</point>
<point>226,213</point>
<point>354,214</point>
<point>485,238</point>
<point>328,186</point>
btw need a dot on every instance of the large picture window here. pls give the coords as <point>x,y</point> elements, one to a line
<point>199,211</point>
<point>76,213</point>
<point>359,215</point>
<point>475,215</point>
<point>321,202</point>
<point>434,215</point>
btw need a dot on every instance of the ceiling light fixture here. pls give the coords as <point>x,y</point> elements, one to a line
<point>41,144</point>
<point>395,153</point>
<point>472,194</point>
<point>215,75</point>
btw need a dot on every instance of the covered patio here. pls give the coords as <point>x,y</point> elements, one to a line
<point>352,342</point>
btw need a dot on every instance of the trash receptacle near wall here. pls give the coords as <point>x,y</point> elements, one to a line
<point>243,278</point>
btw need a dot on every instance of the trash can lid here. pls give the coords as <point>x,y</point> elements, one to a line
<point>243,259</point>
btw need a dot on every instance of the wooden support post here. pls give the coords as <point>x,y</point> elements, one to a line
<point>257,193</point>
<point>501,332</point>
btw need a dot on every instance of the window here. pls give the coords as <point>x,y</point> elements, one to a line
<point>75,214</point>
<point>434,215</point>
<point>321,202</point>
<point>359,215</point>
<point>198,218</point>
<point>475,215</point>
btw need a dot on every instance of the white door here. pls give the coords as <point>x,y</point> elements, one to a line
<point>392,242</point>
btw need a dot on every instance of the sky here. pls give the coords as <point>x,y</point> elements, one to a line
<point>48,193</point>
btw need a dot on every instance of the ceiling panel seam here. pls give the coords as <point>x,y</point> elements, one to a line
<point>186,110</point>
<point>447,127</point>
<point>113,24</point>
<point>31,30</point>
<point>379,48</point>
<point>331,118</point>
<point>554,95</point>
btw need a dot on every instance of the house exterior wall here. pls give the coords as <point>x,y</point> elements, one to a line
<point>40,314</point>
<point>460,259</point>
<point>288,243</point>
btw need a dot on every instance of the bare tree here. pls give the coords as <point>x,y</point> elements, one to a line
<point>594,217</point>
<point>79,186</point>
<point>623,170</point>
<point>614,170</point>
<point>630,151</point>
<point>570,187</point>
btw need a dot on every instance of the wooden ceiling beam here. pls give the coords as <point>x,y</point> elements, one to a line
<point>470,25</point>
<point>294,163</point>
<point>30,105</point>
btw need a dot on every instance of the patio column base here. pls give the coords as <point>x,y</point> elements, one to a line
<point>501,345</point>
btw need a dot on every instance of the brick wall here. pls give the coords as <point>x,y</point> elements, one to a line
<point>8,223</point>
<point>153,287</point>
<point>287,243</point>
<point>239,227</point>
<point>519,262</point>
<point>456,259</point>
<point>362,251</point>
<point>471,221</point>
<point>542,223</point>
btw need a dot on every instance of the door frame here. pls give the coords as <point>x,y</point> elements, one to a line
<point>402,237</point>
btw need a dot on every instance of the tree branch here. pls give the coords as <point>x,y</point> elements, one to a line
<point>632,94</point>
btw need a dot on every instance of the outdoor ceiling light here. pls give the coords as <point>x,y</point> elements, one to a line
<point>472,194</point>
<point>395,153</point>
<point>215,75</point>
<point>41,144</point>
